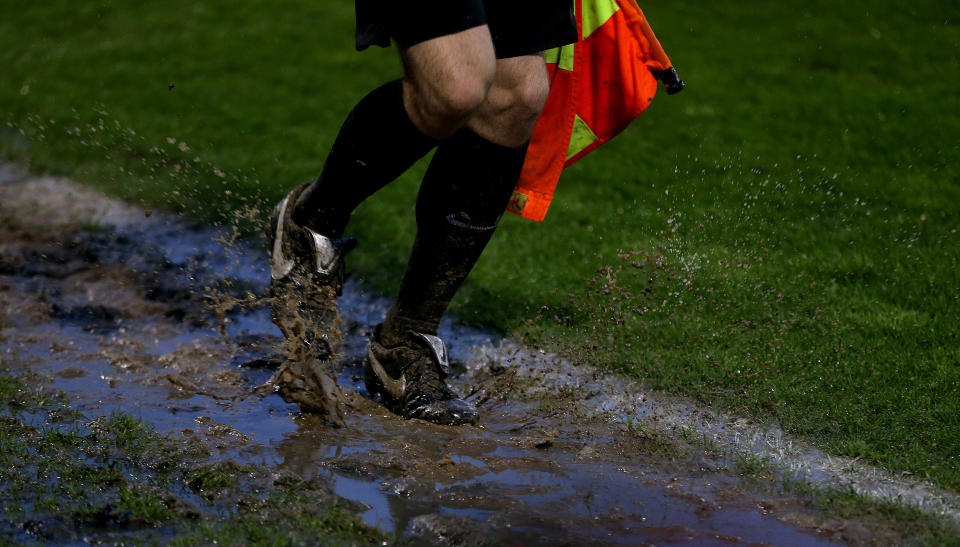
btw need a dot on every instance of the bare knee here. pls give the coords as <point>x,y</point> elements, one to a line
<point>447,79</point>
<point>526,100</point>
<point>440,107</point>
<point>513,105</point>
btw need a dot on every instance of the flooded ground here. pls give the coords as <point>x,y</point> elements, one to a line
<point>119,308</point>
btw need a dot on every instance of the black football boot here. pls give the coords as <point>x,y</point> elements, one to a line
<point>410,379</point>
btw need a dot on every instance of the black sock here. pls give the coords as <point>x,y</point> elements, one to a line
<point>376,144</point>
<point>461,200</point>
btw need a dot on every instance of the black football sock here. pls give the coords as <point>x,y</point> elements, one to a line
<point>377,142</point>
<point>462,197</point>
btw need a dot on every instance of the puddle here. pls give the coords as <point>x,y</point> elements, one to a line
<point>116,317</point>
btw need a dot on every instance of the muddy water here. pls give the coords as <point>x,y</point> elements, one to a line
<point>115,308</point>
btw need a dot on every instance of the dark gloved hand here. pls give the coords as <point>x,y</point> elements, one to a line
<point>671,79</point>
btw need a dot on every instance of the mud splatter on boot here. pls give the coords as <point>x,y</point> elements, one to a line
<point>306,276</point>
<point>410,379</point>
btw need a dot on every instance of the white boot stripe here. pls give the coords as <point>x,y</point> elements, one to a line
<point>281,264</point>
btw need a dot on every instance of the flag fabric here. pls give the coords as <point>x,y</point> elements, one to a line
<point>597,87</point>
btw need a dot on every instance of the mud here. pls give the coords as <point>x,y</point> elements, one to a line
<point>123,310</point>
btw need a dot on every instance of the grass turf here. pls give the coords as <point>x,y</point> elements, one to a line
<point>780,239</point>
<point>113,479</point>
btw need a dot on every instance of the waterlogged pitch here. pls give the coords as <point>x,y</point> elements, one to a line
<point>777,241</point>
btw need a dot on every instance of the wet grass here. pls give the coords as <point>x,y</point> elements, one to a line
<point>888,521</point>
<point>912,525</point>
<point>64,477</point>
<point>778,240</point>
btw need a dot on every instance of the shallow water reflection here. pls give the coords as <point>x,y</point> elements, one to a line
<point>120,319</point>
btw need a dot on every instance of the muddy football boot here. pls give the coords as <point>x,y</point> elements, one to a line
<point>410,379</point>
<point>306,276</point>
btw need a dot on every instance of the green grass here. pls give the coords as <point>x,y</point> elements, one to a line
<point>17,395</point>
<point>332,527</point>
<point>890,521</point>
<point>913,526</point>
<point>144,506</point>
<point>207,481</point>
<point>778,240</point>
<point>115,475</point>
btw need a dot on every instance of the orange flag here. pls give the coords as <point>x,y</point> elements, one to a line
<point>597,87</point>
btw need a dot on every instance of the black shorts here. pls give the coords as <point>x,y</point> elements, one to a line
<point>518,27</point>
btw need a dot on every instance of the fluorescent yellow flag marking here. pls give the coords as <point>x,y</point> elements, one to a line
<point>581,137</point>
<point>595,13</point>
<point>562,56</point>
<point>551,55</point>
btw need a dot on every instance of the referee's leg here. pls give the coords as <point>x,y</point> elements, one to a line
<point>513,103</point>
<point>446,79</point>
<point>464,194</point>
<point>455,80</point>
